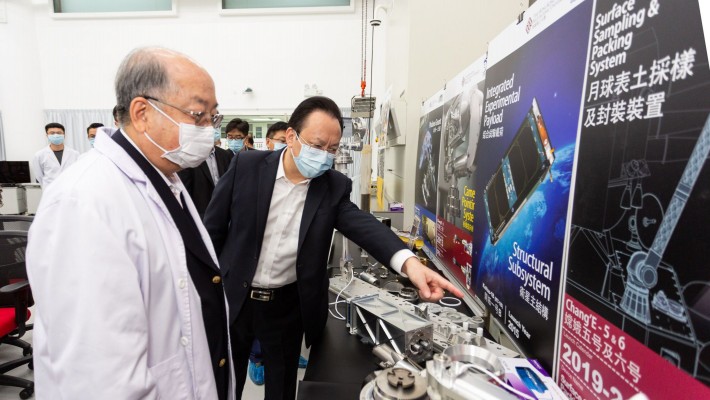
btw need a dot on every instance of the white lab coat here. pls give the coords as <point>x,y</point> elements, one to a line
<point>46,166</point>
<point>117,315</point>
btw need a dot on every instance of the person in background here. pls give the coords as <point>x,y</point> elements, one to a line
<point>276,136</point>
<point>109,130</point>
<point>249,143</point>
<point>91,132</point>
<point>256,364</point>
<point>201,180</point>
<point>218,137</point>
<point>114,112</point>
<point>271,220</point>
<point>50,161</point>
<point>129,300</point>
<point>237,130</point>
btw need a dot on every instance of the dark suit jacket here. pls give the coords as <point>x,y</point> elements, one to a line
<point>236,219</point>
<point>198,180</point>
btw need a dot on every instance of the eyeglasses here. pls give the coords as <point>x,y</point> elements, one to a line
<point>331,150</point>
<point>215,120</point>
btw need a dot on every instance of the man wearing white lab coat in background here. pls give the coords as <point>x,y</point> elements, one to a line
<point>50,161</point>
<point>129,298</point>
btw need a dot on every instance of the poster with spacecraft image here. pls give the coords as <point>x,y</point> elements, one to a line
<point>524,161</point>
<point>425,195</point>
<point>636,312</point>
<point>460,131</point>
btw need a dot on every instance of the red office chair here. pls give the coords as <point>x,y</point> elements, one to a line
<point>17,223</point>
<point>15,299</point>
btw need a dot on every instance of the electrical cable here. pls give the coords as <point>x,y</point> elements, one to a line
<point>372,48</point>
<point>363,49</point>
<point>335,303</point>
<point>372,56</point>
<point>362,41</point>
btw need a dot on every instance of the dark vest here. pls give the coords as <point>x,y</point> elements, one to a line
<point>204,273</point>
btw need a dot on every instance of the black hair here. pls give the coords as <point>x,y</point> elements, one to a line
<point>115,112</point>
<point>310,105</point>
<point>93,126</point>
<point>54,125</point>
<point>238,124</point>
<point>277,126</point>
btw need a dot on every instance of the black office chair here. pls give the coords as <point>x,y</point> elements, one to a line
<point>15,222</point>
<point>15,300</point>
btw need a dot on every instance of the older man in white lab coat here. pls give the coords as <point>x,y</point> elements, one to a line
<point>129,299</point>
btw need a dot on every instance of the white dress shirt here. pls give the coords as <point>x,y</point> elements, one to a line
<point>212,165</point>
<point>277,260</point>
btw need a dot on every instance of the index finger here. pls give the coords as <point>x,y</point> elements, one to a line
<point>450,287</point>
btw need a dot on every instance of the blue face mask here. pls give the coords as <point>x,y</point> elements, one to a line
<point>235,144</point>
<point>279,146</point>
<point>56,139</point>
<point>91,141</point>
<point>311,162</point>
<point>217,135</point>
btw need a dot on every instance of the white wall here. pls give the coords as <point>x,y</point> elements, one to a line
<point>20,82</point>
<point>53,63</point>
<point>430,42</point>
<point>71,63</point>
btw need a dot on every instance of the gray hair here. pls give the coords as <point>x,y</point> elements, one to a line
<point>142,73</point>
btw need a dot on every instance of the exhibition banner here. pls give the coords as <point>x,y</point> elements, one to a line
<point>427,169</point>
<point>531,110</point>
<point>460,129</point>
<point>636,315</point>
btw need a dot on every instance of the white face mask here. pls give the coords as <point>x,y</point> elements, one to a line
<point>195,143</point>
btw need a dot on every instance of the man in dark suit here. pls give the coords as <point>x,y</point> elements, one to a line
<point>271,220</point>
<point>201,180</point>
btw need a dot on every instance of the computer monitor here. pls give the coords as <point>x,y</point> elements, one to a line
<point>12,172</point>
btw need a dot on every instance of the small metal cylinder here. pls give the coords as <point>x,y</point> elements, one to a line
<point>384,352</point>
<point>371,279</point>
